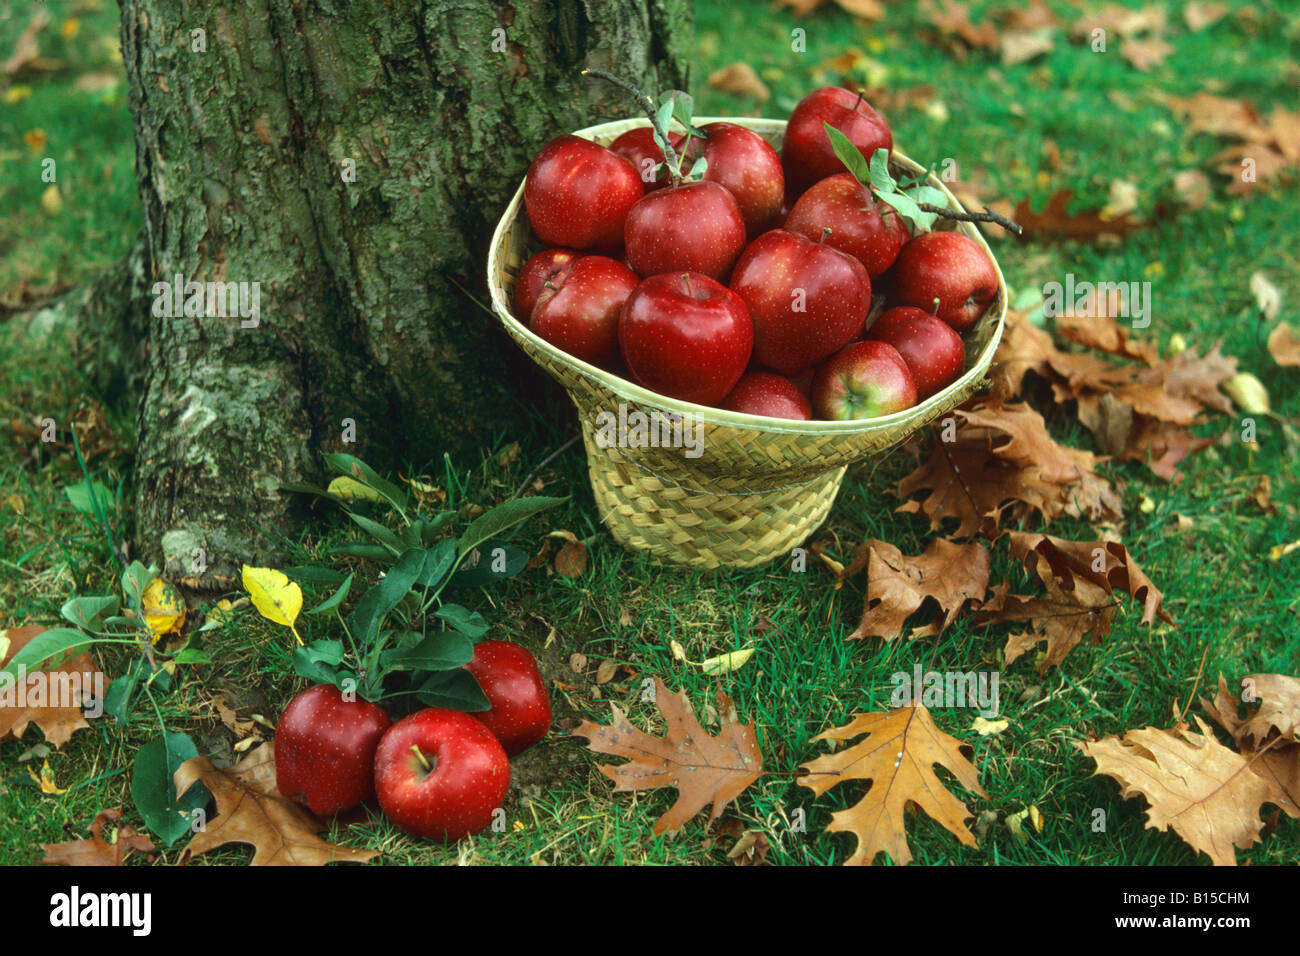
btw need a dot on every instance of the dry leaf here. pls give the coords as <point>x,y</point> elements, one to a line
<point>870,10</point>
<point>1032,16</point>
<point>1145,54</point>
<point>571,559</point>
<point>1060,619</point>
<point>606,671</point>
<point>954,30</point>
<point>1054,221</point>
<point>897,585</point>
<point>1021,46</point>
<point>1124,21</point>
<point>97,851</point>
<point>1192,187</point>
<point>164,609</point>
<point>739,79</point>
<point>251,810</point>
<point>897,756</point>
<point>702,768</point>
<point>56,723</point>
<point>26,56</point>
<point>1274,710</point>
<point>1284,345</point>
<point>1198,15</point>
<point>1192,783</point>
<point>1267,296</point>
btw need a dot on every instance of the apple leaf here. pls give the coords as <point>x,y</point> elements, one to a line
<point>437,652</point>
<point>335,599</point>
<point>89,612</point>
<point>251,810</point>
<point>167,814</point>
<point>368,616</point>
<point>276,597</point>
<point>470,623</point>
<point>703,768</point>
<point>850,155</point>
<point>357,469</point>
<point>456,688</point>
<point>319,661</point>
<point>875,175</point>
<point>504,516</point>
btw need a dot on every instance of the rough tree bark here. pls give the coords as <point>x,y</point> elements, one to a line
<point>350,157</point>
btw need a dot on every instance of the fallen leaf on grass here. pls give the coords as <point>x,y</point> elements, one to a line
<point>1124,21</point>
<point>1284,345</point>
<point>1207,793</point>
<point>1055,221</point>
<point>251,810</point>
<point>1021,46</point>
<point>26,55</point>
<point>897,585</point>
<point>1267,296</point>
<point>953,28</point>
<point>164,609</point>
<point>739,79</point>
<point>276,597</point>
<point>1192,187</point>
<point>1276,710</point>
<point>97,851</point>
<point>702,768</point>
<point>897,757</point>
<point>1060,619</point>
<point>57,723</point>
<point>1198,16</point>
<point>1145,54</point>
<point>870,10</point>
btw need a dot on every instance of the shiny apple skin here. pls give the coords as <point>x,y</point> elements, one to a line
<point>638,147</point>
<point>870,232</point>
<point>933,351</point>
<point>536,272</point>
<point>747,166</point>
<point>947,267</point>
<point>806,152</point>
<point>863,380</point>
<point>691,227</point>
<point>769,395</point>
<point>578,194</point>
<point>580,313</point>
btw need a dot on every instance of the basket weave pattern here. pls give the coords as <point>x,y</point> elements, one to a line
<point>759,486</point>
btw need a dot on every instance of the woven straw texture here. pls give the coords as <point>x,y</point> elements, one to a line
<point>716,487</point>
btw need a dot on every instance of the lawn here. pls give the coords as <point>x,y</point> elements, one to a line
<point>1070,119</point>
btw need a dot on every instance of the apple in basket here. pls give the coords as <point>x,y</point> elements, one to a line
<point>689,227</point>
<point>934,353</point>
<point>638,147</point>
<point>686,336</point>
<point>947,274</point>
<point>770,395</point>
<point>535,274</point>
<point>578,193</point>
<point>843,210</point>
<point>806,152</point>
<point>747,165</point>
<point>578,308</point>
<point>863,380</point>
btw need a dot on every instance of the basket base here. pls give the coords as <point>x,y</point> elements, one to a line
<point>679,525</point>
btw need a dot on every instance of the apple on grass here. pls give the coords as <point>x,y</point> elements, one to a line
<point>934,353</point>
<point>520,714</point>
<point>870,232</point>
<point>806,152</point>
<point>686,336</point>
<point>769,395</point>
<point>807,299</point>
<point>688,227</point>
<point>325,749</point>
<point>747,166</point>
<point>578,194</point>
<point>947,274</point>
<point>440,773</point>
<point>578,308</point>
<point>863,380</point>
<point>540,269</point>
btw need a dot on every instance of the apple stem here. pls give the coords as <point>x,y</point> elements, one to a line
<point>424,761</point>
<point>547,285</point>
<point>826,231</point>
<point>686,278</point>
<point>671,159</point>
<point>862,92</point>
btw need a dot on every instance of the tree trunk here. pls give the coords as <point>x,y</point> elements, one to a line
<point>351,159</point>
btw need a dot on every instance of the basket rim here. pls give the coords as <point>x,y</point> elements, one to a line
<point>631,392</point>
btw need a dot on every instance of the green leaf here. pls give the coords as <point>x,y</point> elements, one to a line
<point>190,655</point>
<point>358,469</point>
<point>42,647</point>
<point>313,574</point>
<point>437,563</point>
<point>135,581</point>
<point>305,489</point>
<point>88,612</point>
<point>432,527</point>
<point>481,565</point>
<point>437,652</point>
<point>848,154</point>
<point>118,697</point>
<point>318,661</point>
<point>335,599</point>
<point>83,495</point>
<point>504,516</point>
<point>154,792</point>
<point>883,185</point>
<point>699,169</point>
<point>457,689</point>
<point>368,616</point>
<point>683,106</point>
<point>371,552</point>
<point>377,531</point>
<point>470,623</point>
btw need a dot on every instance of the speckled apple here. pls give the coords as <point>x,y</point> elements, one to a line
<point>747,166</point>
<point>325,749</point>
<point>843,211</point>
<point>863,380</point>
<point>769,395</point>
<point>933,351</point>
<point>691,227</point>
<point>638,147</point>
<point>520,714</point>
<point>806,151</point>
<point>578,310</point>
<point>536,272</point>
<point>578,194</point>
<point>947,274</point>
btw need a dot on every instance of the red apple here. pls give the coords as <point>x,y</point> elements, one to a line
<point>578,310</point>
<point>806,153</point>
<point>691,227</point>
<point>768,394</point>
<point>934,353</point>
<point>749,168</point>
<point>872,233</point>
<point>863,380</point>
<point>325,749</point>
<point>806,298</point>
<point>537,271</point>
<point>578,194</point>
<point>947,274</point>
<point>686,336</point>
<point>520,714</point>
<point>638,147</point>
<point>440,773</point>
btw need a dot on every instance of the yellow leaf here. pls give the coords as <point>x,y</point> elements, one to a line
<point>1248,392</point>
<point>276,597</point>
<point>985,727</point>
<point>679,652</point>
<point>18,93</point>
<point>46,780</point>
<point>4,646</point>
<point>164,610</point>
<point>35,139</point>
<point>353,490</point>
<point>51,201</point>
<point>224,612</point>
<point>726,663</point>
<point>17,503</point>
<point>69,28</point>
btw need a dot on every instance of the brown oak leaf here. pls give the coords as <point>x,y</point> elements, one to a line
<point>251,810</point>
<point>897,585</point>
<point>953,30</point>
<point>1144,54</point>
<point>703,768</point>
<point>739,79</point>
<point>1060,619</point>
<point>72,681</point>
<point>1284,345</point>
<point>1277,709</point>
<point>97,851</point>
<point>1207,793</point>
<point>897,757</point>
<point>1055,221</point>
<point>869,10</point>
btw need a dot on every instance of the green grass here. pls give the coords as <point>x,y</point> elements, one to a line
<point>1230,601</point>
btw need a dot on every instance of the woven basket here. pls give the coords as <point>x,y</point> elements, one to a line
<point>761,485</point>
